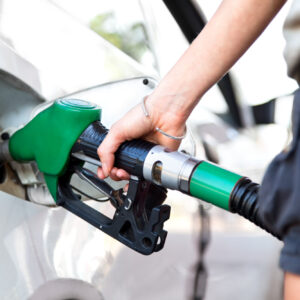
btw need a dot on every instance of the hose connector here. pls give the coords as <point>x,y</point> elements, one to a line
<point>243,201</point>
<point>171,169</point>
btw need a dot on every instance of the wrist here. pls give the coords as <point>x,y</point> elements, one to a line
<point>163,116</point>
<point>167,108</point>
<point>175,105</point>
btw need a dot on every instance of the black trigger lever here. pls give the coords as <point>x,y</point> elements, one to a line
<point>139,216</point>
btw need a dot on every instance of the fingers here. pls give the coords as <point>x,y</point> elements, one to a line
<point>122,174</point>
<point>125,129</point>
<point>106,154</point>
<point>125,188</point>
<point>135,125</point>
<point>106,151</point>
<point>119,174</point>
<point>100,173</point>
<point>115,174</point>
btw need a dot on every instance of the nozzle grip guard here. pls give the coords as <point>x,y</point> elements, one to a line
<point>137,222</point>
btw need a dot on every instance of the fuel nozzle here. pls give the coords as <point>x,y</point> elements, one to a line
<point>66,134</point>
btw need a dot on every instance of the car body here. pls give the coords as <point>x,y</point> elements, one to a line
<point>48,253</point>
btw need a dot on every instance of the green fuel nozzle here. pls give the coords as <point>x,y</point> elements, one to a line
<point>49,137</point>
<point>67,134</point>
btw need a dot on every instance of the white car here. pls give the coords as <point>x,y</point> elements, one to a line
<point>46,252</point>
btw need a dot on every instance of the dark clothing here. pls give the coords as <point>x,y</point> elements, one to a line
<point>279,196</point>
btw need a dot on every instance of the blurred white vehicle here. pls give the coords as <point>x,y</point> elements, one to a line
<point>46,52</point>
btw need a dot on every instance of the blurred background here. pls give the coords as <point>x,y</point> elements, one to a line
<point>59,48</point>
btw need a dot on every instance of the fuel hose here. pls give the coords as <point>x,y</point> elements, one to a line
<point>178,171</point>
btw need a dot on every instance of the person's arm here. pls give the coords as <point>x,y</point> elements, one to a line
<point>291,286</point>
<point>233,28</point>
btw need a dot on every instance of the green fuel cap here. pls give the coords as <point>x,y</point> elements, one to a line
<point>49,137</point>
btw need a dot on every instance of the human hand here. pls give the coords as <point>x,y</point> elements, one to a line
<point>136,125</point>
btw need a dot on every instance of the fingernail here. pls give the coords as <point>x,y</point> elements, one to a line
<point>99,173</point>
<point>119,174</point>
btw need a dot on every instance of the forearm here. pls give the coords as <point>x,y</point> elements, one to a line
<point>233,28</point>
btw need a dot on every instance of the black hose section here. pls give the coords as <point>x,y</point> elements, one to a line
<point>2,172</point>
<point>130,156</point>
<point>243,201</point>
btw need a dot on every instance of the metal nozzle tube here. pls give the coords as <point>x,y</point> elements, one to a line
<point>4,151</point>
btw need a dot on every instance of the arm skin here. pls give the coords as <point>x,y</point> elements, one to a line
<point>291,286</point>
<point>229,33</point>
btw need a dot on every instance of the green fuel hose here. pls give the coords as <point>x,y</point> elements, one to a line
<point>229,191</point>
<point>213,184</point>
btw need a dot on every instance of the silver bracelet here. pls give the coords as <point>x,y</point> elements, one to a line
<point>146,113</point>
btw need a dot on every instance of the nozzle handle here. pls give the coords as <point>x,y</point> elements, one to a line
<point>130,156</point>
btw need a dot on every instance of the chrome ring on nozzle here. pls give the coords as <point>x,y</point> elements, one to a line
<point>171,169</point>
